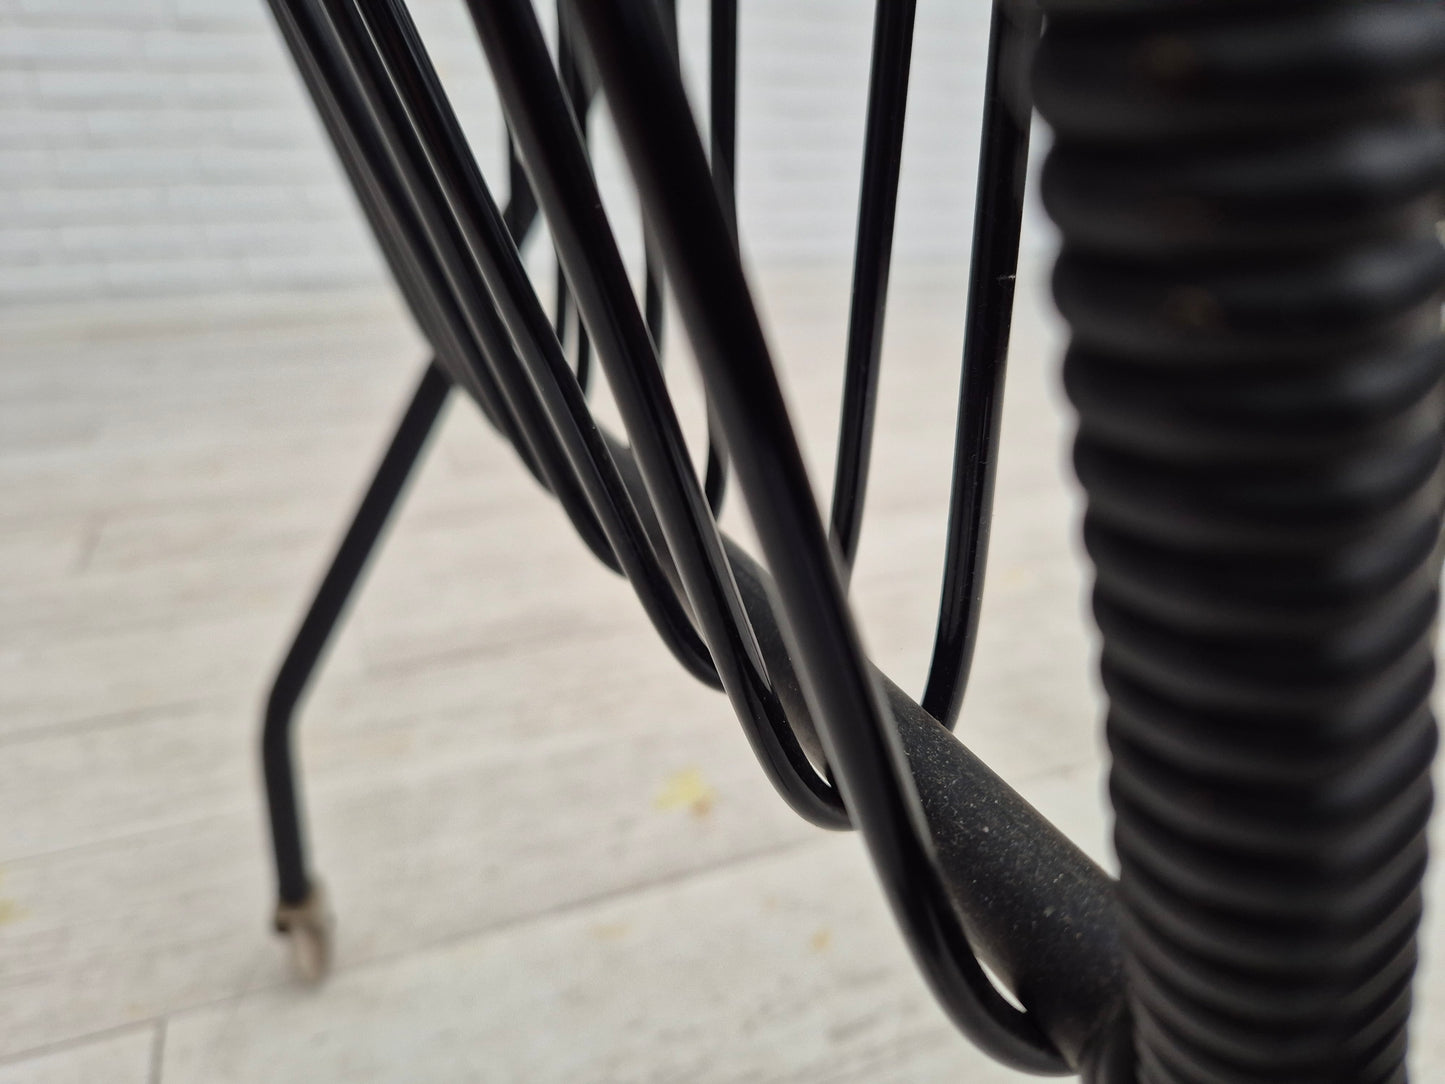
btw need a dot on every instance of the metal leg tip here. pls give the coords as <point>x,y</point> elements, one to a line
<point>309,927</point>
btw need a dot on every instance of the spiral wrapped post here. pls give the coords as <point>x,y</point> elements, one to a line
<point>1248,196</point>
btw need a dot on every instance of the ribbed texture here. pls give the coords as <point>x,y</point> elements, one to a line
<point>1248,195</point>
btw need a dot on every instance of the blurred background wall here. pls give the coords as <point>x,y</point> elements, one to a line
<point>154,147</point>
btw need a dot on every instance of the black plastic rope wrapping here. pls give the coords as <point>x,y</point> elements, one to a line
<point>1248,196</point>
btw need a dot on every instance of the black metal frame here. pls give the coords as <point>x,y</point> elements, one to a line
<point>972,872</point>
<point>841,744</point>
<point>321,619</point>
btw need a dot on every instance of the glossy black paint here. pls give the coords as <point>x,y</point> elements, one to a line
<point>723,102</point>
<point>998,218</point>
<point>418,119</point>
<point>965,862</point>
<point>562,179</point>
<point>654,303</point>
<point>865,753</point>
<point>293,885</point>
<point>723,139</point>
<point>872,258</point>
<point>579,97</point>
<point>393,212</point>
<point>488,358</point>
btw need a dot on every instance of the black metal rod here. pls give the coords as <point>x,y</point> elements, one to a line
<point>563,325</point>
<point>311,639</point>
<point>579,97</point>
<point>567,192</point>
<point>1003,864</point>
<point>998,218</point>
<point>340,580</point>
<point>521,209</point>
<point>872,252</point>
<point>489,357</point>
<point>722,102</point>
<point>419,277</point>
<point>428,149</point>
<point>579,94</point>
<point>1040,913</point>
<point>416,273</point>
<point>715,477</point>
<point>865,752</point>
<point>654,303</point>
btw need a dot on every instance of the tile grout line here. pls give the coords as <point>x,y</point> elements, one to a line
<point>521,921</point>
<point>158,1050</point>
<point>89,724</point>
<point>159,1024</point>
<point>89,543</point>
<point>1014,782</point>
<point>60,1046</point>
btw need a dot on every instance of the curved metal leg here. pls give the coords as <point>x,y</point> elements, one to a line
<point>301,911</point>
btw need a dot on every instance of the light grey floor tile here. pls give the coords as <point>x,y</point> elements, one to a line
<point>552,854</point>
<point>785,968</point>
<point>122,1058</point>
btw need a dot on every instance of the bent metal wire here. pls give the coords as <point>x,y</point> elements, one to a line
<point>974,875</point>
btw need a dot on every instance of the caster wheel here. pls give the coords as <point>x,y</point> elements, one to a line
<point>310,928</point>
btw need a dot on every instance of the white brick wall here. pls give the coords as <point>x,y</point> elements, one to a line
<point>159,146</point>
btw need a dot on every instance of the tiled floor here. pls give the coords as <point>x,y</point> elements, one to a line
<point>551,855</point>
